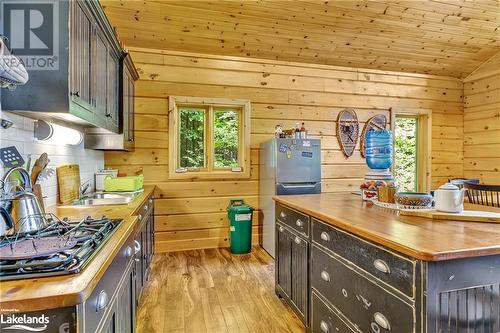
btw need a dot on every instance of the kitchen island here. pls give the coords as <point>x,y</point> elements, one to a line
<point>92,293</point>
<point>347,266</point>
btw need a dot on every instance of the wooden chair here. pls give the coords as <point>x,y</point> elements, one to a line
<point>486,195</point>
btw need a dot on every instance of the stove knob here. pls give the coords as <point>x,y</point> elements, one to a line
<point>128,252</point>
<point>102,301</point>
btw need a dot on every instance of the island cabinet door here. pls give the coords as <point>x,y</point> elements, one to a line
<point>300,259</point>
<point>362,301</point>
<point>283,261</point>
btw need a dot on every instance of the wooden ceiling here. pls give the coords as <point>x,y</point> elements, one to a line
<point>442,37</point>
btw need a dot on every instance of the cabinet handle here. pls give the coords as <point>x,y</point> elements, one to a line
<point>137,246</point>
<point>150,201</point>
<point>108,115</point>
<point>282,215</point>
<point>382,321</point>
<point>128,252</point>
<point>281,229</point>
<point>325,236</point>
<point>140,217</point>
<point>146,207</point>
<point>325,276</point>
<point>299,223</point>
<point>76,93</point>
<point>102,301</point>
<point>297,240</point>
<point>324,326</point>
<point>381,266</point>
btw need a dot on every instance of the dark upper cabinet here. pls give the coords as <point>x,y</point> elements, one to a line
<point>85,87</point>
<point>121,114</point>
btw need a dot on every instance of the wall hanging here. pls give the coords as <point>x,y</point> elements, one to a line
<point>347,131</point>
<point>377,122</point>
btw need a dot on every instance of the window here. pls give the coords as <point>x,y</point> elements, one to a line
<point>405,147</point>
<point>412,151</point>
<point>209,138</point>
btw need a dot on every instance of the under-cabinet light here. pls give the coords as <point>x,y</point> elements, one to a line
<point>57,134</point>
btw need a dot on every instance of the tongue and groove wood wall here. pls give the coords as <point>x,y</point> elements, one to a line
<point>482,123</point>
<point>191,214</point>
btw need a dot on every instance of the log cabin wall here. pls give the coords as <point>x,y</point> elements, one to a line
<point>482,123</point>
<point>191,214</point>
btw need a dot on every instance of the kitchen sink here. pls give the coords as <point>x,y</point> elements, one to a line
<point>107,198</point>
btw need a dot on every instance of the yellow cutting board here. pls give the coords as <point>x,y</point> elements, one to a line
<point>68,179</point>
<point>472,213</point>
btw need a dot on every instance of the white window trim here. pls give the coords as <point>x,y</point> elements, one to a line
<point>244,150</point>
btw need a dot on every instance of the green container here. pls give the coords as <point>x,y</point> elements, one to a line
<point>240,221</point>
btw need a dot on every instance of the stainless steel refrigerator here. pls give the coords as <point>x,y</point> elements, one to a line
<point>287,167</point>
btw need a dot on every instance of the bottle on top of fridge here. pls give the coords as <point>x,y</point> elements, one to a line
<point>303,132</point>
<point>297,131</point>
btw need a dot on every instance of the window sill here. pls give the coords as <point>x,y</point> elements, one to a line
<point>209,175</point>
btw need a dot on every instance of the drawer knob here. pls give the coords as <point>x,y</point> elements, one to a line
<point>382,321</point>
<point>325,236</point>
<point>146,207</point>
<point>150,201</point>
<point>325,276</point>
<point>381,266</point>
<point>102,300</point>
<point>140,217</point>
<point>281,229</point>
<point>297,240</point>
<point>324,326</point>
<point>299,223</point>
<point>282,214</point>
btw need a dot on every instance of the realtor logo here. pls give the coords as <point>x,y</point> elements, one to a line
<point>32,31</point>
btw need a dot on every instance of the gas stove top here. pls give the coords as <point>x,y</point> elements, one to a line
<point>63,247</point>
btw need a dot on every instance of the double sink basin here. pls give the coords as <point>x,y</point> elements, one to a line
<point>107,198</point>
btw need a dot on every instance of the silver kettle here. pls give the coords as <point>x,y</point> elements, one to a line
<point>27,215</point>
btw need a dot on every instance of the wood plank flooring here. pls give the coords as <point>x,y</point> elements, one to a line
<point>213,291</point>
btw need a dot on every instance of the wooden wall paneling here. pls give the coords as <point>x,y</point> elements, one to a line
<point>482,123</point>
<point>191,213</point>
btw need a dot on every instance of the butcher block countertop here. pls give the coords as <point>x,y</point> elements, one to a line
<point>416,237</point>
<point>67,290</point>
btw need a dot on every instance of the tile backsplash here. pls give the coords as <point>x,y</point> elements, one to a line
<point>21,136</point>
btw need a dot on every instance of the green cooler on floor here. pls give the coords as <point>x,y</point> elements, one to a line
<point>240,224</point>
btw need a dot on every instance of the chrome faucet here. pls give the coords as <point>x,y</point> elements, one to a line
<point>84,188</point>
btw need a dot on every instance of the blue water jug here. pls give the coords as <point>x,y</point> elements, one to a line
<point>378,147</point>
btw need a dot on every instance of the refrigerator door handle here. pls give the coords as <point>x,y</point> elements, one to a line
<point>295,185</point>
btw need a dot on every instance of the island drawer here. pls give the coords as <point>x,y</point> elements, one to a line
<point>295,220</point>
<point>325,320</point>
<point>367,305</point>
<point>395,270</point>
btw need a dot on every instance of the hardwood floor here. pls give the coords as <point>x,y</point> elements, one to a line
<point>213,291</point>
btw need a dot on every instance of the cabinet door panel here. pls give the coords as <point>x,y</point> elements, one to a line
<point>112,92</point>
<point>80,53</point>
<point>284,259</point>
<point>125,304</point>
<point>99,74</point>
<point>299,274</point>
